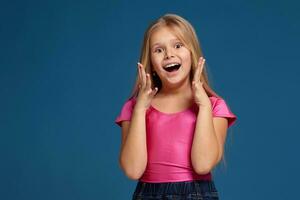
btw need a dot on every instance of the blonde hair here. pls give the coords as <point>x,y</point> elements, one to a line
<point>186,33</point>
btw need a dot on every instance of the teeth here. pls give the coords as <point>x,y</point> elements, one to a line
<point>171,65</point>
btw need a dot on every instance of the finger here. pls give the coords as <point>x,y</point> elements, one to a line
<point>202,66</point>
<point>196,75</point>
<point>144,78</point>
<point>148,81</point>
<point>140,75</point>
<point>143,75</point>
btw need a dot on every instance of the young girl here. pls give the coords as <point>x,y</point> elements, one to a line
<point>174,125</point>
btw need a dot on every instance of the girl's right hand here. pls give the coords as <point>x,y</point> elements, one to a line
<point>146,93</point>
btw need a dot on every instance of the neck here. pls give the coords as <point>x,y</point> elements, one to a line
<point>183,89</point>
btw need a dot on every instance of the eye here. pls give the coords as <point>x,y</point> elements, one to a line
<point>178,45</point>
<point>158,50</point>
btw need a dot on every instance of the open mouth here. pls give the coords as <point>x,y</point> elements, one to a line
<point>173,67</point>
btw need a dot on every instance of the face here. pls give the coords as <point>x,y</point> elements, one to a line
<point>167,54</point>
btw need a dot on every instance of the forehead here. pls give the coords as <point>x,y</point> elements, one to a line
<point>163,35</point>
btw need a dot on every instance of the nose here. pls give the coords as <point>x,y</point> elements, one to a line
<point>168,54</point>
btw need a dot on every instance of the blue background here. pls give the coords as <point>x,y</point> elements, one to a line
<point>67,67</point>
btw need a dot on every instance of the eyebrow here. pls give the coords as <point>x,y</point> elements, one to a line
<point>176,39</point>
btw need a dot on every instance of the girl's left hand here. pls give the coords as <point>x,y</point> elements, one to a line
<point>200,96</point>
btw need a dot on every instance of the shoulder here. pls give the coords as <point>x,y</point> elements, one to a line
<point>218,102</point>
<point>221,109</point>
<point>214,100</point>
<point>126,111</point>
<point>130,102</point>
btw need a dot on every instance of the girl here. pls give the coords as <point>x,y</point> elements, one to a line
<point>174,125</point>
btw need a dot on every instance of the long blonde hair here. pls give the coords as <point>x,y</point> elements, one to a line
<point>186,33</point>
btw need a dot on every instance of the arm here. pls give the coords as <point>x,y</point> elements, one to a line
<point>209,137</point>
<point>133,154</point>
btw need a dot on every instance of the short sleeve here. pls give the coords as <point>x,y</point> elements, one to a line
<point>220,109</point>
<point>126,111</point>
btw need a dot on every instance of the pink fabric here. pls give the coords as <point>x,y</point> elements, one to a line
<point>169,140</point>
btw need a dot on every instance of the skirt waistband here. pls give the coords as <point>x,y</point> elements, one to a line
<point>183,187</point>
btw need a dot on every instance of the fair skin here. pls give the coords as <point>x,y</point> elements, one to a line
<point>167,48</point>
<point>210,132</point>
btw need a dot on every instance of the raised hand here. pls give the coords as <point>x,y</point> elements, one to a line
<point>200,96</point>
<point>146,93</point>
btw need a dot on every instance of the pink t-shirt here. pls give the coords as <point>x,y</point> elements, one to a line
<point>169,140</point>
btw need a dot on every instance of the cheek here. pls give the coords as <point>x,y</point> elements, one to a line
<point>154,60</point>
<point>187,58</point>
